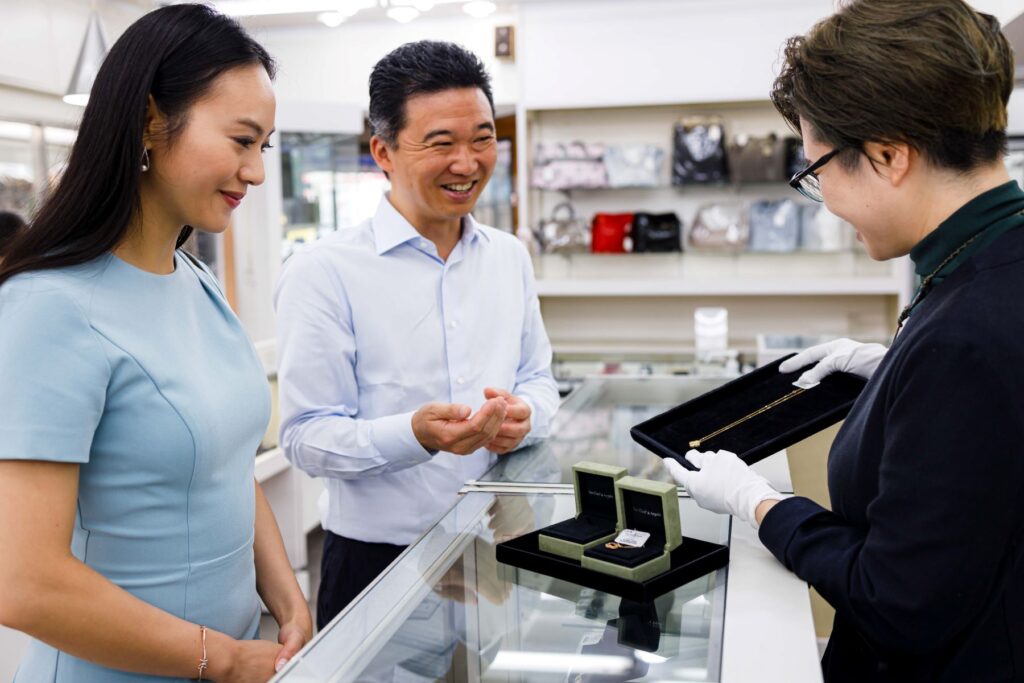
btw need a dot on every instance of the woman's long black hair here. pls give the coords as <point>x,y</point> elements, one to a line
<point>174,54</point>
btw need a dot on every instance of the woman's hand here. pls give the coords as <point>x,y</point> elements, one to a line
<point>840,355</point>
<point>292,636</point>
<point>240,661</point>
<point>724,484</point>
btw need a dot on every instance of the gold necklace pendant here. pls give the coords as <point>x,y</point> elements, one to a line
<point>763,409</point>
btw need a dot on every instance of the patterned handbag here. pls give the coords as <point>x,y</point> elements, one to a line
<point>635,165</point>
<point>562,232</point>
<point>568,165</point>
<point>720,227</point>
<point>775,226</point>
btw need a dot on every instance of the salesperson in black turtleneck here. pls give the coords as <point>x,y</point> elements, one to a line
<point>902,108</point>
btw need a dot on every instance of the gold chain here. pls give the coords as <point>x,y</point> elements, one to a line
<point>763,409</point>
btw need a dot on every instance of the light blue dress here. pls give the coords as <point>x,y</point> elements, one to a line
<point>151,384</point>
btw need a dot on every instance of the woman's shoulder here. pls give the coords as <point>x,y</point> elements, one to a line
<point>65,290</point>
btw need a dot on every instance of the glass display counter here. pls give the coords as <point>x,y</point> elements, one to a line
<point>448,611</point>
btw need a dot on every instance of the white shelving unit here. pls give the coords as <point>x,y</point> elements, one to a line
<point>642,304</point>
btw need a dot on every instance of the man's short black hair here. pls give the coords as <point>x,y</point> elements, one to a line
<point>10,225</point>
<point>423,67</point>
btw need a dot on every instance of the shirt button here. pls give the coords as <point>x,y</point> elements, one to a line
<point>423,244</point>
<point>461,380</point>
<point>453,324</point>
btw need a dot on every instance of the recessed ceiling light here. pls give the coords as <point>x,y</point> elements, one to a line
<point>403,15</point>
<point>331,19</point>
<point>479,8</point>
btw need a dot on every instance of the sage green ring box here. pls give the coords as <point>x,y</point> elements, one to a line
<point>596,512</point>
<point>644,505</point>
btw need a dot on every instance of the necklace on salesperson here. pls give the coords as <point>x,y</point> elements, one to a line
<point>926,284</point>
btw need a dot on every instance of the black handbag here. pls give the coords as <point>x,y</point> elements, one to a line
<point>657,232</point>
<point>795,159</point>
<point>698,152</point>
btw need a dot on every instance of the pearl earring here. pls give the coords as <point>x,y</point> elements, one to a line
<point>145,160</point>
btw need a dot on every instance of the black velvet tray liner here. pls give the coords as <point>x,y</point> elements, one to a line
<point>597,519</point>
<point>690,561</point>
<point>582,529</point>
<point>669,434</point>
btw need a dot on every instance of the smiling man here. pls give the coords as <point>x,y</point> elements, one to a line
<point>411,348</point>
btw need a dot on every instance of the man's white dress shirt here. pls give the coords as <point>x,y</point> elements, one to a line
<point>372,325</point>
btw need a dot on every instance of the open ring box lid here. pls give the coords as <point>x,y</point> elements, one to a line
<point>648,506</point>
<point>596,512</point>
<point>670,433</point>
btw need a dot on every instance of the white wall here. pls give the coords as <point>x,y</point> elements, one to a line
<point>317,62</point>
<point>39,44</point>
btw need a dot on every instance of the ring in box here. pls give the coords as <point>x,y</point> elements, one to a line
<point>596,512</point>
<point>650,507</point>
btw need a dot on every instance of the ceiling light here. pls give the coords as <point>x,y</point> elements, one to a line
<point>331,19</point>
<point>420,5</point>
<point>255,8</point>
<point>403,15</point>
<point>479,8</point>
<point>90,57</point>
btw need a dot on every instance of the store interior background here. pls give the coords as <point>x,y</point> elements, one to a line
<point>612,71</point>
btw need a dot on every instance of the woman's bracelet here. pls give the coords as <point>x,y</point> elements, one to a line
<point>204,663</point>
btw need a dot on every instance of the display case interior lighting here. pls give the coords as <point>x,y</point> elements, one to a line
<point>90,57</point>
<point>403,15</point>
<point>479,8</point>
<point>331,19</point>
<point>553,662</point>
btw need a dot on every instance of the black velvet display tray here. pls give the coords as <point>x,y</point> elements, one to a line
<point>691,560</point>
<point>669,434</point>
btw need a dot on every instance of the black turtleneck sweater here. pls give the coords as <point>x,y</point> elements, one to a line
<point>923,554</point>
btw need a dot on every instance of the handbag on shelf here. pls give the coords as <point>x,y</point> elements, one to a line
<point>569,165</point>
<point>822,230</point>
<point>657,232</point>
<point>720,227</point>
<point>562,232</point>
<point>609,232</point>
<point>634,165</point>
<point>754,159</point>
<point>698,152</point>
<point>774,226</point>
<point>795,159</point>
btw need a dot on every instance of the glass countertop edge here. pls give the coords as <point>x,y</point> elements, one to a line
<point>397,576</point>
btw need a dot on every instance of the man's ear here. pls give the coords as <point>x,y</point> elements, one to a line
<point>381,153</point>
<point>892,160</point>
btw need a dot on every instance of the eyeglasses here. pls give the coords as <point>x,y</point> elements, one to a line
<point>806,181</point>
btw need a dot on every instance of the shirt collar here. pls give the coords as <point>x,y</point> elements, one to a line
<point>970,219</point>
<point>390,228</point>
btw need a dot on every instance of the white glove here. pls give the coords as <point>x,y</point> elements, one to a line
<point>841,355</point>
<point>724,484</point>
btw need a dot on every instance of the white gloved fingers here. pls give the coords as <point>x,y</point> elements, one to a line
<point>806,357</point>
<point>833,362</point>
<point>698,458</point>
<point>681,475</point>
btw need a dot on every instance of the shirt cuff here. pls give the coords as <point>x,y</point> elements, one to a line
<point>394,440</point>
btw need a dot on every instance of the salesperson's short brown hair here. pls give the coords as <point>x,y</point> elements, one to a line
<point>934,74</point>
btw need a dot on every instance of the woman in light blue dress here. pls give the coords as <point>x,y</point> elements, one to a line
<point>135,540</point>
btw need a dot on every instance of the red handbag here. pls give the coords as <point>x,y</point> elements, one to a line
<point>609,231</point>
